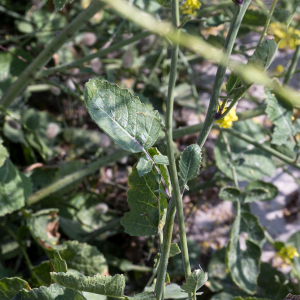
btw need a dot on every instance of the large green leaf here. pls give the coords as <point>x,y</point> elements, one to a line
<point>243,265</point>
<point>250,163</point>
<point>41,274</point>
<point>190,162</point>
<point>280,113</point>
<point>14,188</point>
<point>84,258</point>
<point>54,292</point>
<point>146,205</point>
<point>121,115</point>
<point>58,263</point>
<point>255,194</point>
<point>103,285</point>
<point>195,281</point>
<point>9,287</point>
<point>43,226</point>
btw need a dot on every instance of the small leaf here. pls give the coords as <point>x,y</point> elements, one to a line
<point>3,153</point>
<point>174,250</point>
<point>167,279</point>
<point>190,162</point>
<point>195,281</point>
<point>255,194</point>
<point>121,115</point>
<point>143,296</point>
<point>41,274</point>
<point>54,292</point>
<point>161,159</point>
<point>232,82</point>
<point>272,189</point>
<point>230,194</point>
<point>103,285</point>
<point>59,4</point>
<point>58,263</point>
<point>14,188</point>
<point>280,113</point>
<point>43,226</point>
<point>147,201</point>
<point>144,165</point>
<point>84,258</point>
<point>172,291</point>
<point>9,287</point>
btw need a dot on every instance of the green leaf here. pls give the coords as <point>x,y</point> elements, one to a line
<point>41,274</point>
<point>195,281</point>
<point>230,194</point>
<point>9,287</point>
<point>59,4</point>
<point>243,265</point>
<point>231,83</point>
<point>254,18</point>
<point>3,153</point>
<point>14,188</point>
<point>250,298</point>
<point>255,194</point>
<point>280,113</point>
<point>250,163</point>
<point>250,225</point>
<point>172,291</point>
<point>103,285</point>
<point>58,263</point>
<point>14,132</point>
<point>146,205</point>
<point>54,292</point>
<point>144,165</point>
<point>84,258</point>
<point>174,250</point>
<point>43,226</point>
<point>272,189</point>
<point>161,159</point>
<point>190,162</point>
<point>121,115</point>
<point>222,296</point>
<point>143,296</point>
<point>294,240</point>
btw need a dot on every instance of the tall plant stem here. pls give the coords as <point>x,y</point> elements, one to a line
<point>214,100</point>
<point>174,178</point>
<point>42,59</point>
<point>267,23</point>
<point>292,67</point>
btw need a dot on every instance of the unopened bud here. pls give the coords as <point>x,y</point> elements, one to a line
<point>238,2</point>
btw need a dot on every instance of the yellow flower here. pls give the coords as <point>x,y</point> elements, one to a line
<point>226,122</point>
<point>190,7</point>
<point>278,70</point>
<point>287,37</point>
<point>287,253</point>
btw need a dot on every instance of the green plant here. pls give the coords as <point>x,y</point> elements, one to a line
<point>35,203</point>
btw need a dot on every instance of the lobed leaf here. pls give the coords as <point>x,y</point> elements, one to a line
<point>195,281</point>
<point>190,162</point>
<point>58,263</point>
<point>280,113</point>
<point>230,194</point>
<point>9,287</point>
<point>255,194</point>
<point>103,285</point>
<point>272,189</point>
<point>121,115</point>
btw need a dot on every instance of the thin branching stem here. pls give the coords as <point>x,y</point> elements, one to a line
<point>292,67</point>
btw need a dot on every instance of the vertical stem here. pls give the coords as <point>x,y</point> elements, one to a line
<point>267,23</point>
<point>292,67</point>
<point>214,100</point>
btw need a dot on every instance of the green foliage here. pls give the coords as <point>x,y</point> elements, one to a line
<point>270,190</point>
<point>9,287</point>
<point>84,258</point>
<point>250,163</point>
<point>280,113</point>
<point>3,153</point>
<point>195,281</point>
<point>230,193</point>
<point>59,264</point>
<point>14,188</point>
<point>146,206</point>
<point>121,115</point>
<point>54,292</point>
<point>190,162</point>
<point>144,165</point>
<point>59,4</point>
<point>103,285</point>
<point>174,250</point>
